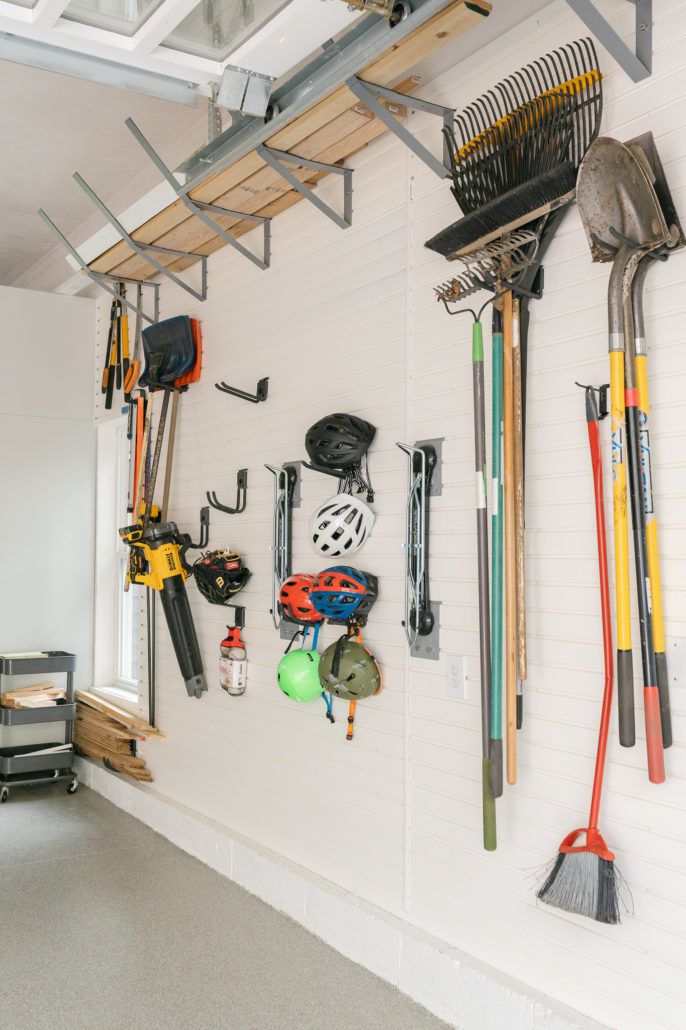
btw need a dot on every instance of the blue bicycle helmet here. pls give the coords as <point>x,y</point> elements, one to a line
<point>344,594</point>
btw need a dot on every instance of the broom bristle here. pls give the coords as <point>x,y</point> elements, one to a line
<point>514,209</point>
<point>585,884</point>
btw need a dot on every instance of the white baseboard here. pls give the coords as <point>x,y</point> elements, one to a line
<point>457,988</point>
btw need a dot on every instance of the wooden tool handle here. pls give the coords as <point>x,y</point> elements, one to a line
<point>510,560</point>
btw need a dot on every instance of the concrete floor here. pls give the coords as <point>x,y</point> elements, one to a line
<point>105,924</point>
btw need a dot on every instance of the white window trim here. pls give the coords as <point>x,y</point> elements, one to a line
<point>106,631</point>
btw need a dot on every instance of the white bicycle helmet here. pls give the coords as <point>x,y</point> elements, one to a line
<point>340,526</point>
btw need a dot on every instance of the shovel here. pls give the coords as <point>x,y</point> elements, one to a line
<point>623,222</point>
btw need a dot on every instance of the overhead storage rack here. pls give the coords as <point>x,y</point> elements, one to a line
<point>354,92</point>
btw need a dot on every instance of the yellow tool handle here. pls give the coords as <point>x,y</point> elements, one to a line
<point>619,497</point>
<point>651,521</point>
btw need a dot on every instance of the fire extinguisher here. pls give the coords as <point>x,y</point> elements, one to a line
<point>233,663</point>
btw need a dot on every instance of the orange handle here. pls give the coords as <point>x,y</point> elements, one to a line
<point>656,755</point>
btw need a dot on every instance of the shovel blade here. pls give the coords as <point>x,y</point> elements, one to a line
<point>615,195</point>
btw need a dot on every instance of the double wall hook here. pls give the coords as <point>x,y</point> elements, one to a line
<point>241,495</point>
<point>285,481</point>
<point>255,398</point>
<point>419,619</point>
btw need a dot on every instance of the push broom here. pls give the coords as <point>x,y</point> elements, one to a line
<point>583,879</point>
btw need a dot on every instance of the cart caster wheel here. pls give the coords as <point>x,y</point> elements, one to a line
<point>73,786</point>
<point>4,795</point>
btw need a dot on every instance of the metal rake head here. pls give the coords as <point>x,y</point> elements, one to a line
<point>458,288</point>
<point>557,98</point>
<point>505,257</point>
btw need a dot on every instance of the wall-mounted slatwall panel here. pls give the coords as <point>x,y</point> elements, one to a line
<point>347,321</point>
<point>327,324</point>
<point>627,976</point>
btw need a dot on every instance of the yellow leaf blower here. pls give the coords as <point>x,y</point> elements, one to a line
<point>156,560</point>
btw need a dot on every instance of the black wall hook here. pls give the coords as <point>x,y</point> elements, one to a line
<point>241,495</point>
<point>259,395</point>
<point>204,532</point>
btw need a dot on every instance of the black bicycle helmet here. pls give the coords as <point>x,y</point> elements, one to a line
<point>339,441</point>
<point>219,575</point>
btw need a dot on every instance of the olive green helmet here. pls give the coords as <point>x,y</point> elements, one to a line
<point>297,675</point>
<point>349,671</point>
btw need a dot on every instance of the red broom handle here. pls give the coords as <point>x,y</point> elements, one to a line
<point>597,464</point>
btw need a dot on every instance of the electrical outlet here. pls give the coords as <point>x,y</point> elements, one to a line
<point>457,677</point>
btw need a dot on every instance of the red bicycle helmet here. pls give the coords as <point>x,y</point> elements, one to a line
<point>294,598</point>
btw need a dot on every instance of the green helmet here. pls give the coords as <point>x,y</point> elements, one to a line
<point>349,671</point>
<point>297,675</point>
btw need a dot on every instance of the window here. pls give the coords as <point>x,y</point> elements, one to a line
<point>128,602</point>
<point>118,611</point>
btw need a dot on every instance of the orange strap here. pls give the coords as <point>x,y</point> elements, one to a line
<point>351,720</point>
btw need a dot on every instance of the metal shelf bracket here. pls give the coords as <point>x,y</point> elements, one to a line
<point>369,93</point>
<point>278,159</point>
<point>199,209</point>
<point>147,250</point>
<point>102,280</point>
<point>637,63</point>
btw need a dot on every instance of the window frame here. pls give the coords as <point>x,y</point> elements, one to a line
<point>111,493</point>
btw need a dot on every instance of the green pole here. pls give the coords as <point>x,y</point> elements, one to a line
<point>496,706</point>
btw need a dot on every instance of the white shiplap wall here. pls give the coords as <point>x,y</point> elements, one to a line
<point>347,321</point>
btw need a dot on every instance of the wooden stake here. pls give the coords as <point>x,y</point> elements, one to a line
<point>510,563</point>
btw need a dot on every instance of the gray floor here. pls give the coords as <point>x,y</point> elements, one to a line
<point>105,924</point>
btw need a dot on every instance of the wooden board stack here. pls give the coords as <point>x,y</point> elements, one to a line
<point>38,695</point>
<point>109,733</point>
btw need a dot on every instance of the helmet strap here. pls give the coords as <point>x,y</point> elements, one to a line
<point>351,720</point>
<point>336,662</point>
<point>327,698</point>
<point>298,633</point>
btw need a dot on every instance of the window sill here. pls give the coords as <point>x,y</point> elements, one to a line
<point>128,699</point>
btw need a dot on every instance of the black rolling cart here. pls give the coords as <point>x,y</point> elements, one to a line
<point>20,766</point>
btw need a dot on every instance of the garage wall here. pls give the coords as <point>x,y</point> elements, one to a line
<point>347,321</point>
<point>47,448</point>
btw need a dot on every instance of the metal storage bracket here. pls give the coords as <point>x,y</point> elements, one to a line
<point>241,495</point>
<point>277,160</point>
<point>369,92</point>
<point>198,208</point>
<point>429,646</point>
<point>143,249</point>
<point>260,394</point>
<point>418,618</point>
<point>285,480</point>
<point>204,537</point>
<point>436,481</point>
<point>637,64</point>
<point>102,279</point>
